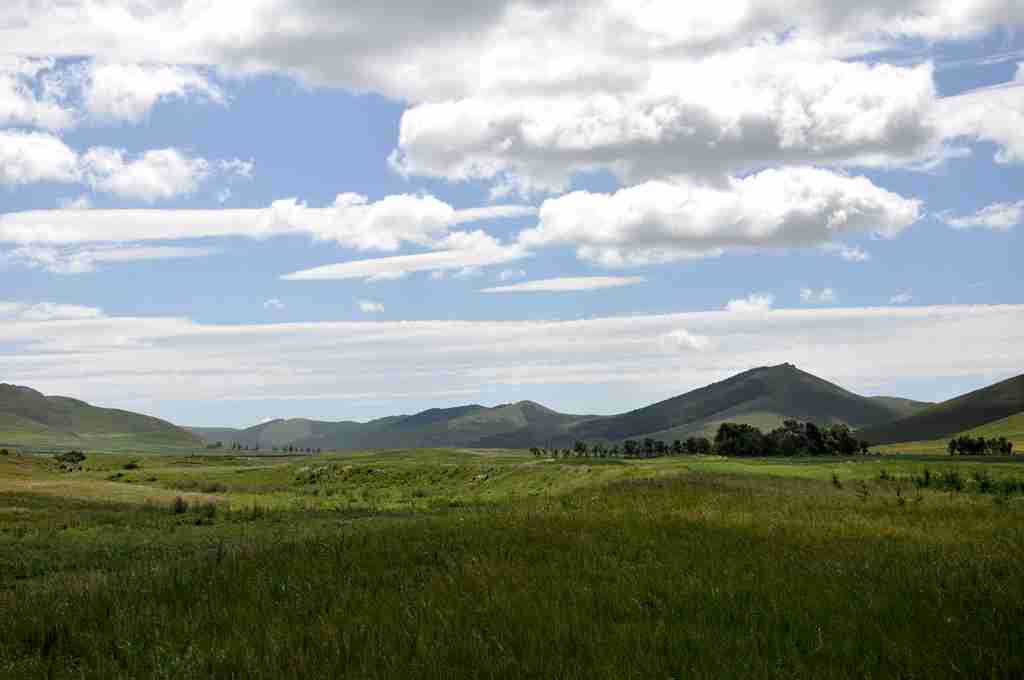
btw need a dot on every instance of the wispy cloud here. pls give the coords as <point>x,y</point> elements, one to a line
<point>567,284</point>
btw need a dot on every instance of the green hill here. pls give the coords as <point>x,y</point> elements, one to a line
<point>29,418</point>
<point>763,397</point>
<point>944,420</point>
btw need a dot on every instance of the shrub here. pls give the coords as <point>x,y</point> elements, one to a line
<point>4,452</point>
<point>73,457</point>
<point>952,481</point>
<point>131,466</point>
<point>180,506</point>
<point>983,481</point>
<point>835,481</point>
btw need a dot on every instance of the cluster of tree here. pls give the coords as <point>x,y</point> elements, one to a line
<point>979,446</point>
<point>646,448</point>
<point>792,439</point>
<point>71,457</point>
<point>296,449</point>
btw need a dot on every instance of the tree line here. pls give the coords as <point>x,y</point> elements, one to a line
<point>979,446</point>
<point>793,438</point>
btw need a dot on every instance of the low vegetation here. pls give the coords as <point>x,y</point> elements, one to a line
<point>502,565</point>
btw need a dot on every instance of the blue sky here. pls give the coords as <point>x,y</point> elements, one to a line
<point>204,226</point>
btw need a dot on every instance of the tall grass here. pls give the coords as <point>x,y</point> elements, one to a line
<point>702,576</point>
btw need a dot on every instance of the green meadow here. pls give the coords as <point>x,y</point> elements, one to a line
<point>495,564</point>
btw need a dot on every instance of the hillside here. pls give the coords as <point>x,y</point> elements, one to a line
<point>763,397</point>
<point>29,418</point>
<point>965,412</point>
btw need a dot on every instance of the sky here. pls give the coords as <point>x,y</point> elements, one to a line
<point>221,216</point>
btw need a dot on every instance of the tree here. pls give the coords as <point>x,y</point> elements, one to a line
<point>630,448</point>
<point>580,449</point>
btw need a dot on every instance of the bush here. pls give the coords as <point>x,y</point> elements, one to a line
<point>180,506</point>
<point>131,466</point>
<point>72,457</point>
<point>952,481</point>
<point>4,452</point>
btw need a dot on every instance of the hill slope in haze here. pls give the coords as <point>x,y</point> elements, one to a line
<point>762,396</point>
<point>28,417</point>
<point>965,412</point>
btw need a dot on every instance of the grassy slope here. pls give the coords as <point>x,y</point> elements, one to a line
<point>705,575</point>
<point>965,412</point>
<point>902,407</point>
<point>30,418</point>
<point>1012,428</point>
<point>768,395</point>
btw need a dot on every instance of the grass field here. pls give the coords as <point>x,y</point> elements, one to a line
<point>493,564</point>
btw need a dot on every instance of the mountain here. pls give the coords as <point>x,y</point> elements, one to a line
<point>28,417</point>
<point>903,407</point>
<point>965,412</point>
<point>762,396</point>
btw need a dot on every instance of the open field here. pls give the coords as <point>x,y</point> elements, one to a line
<point>472,563</point>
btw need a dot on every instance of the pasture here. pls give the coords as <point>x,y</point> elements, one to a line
<point>494,564</point>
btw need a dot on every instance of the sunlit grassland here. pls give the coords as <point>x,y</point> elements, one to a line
<point>497,564</point>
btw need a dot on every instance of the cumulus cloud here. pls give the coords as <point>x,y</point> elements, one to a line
<point>716,117</point>
<point>128,92</point>
<point>22,103</point>
<point>567,284</point>
<point>83,260</point>
<point>755,303</point>
<point>687,341</point>
<point>824,296</point>
<point>994,114</point>
<point>847,252</point>
<point>901,299</point>
<point>509,274</point>
<point>660,222</point>
<point>370,307</point>
<point>998,216</point>
<point>30,157</point>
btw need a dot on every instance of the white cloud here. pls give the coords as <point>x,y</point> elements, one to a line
<point>156,175</point>
<point>351,221</point>
<point>566,284</point>
<point>273,304</point>
<point>824,296</point>
<point>21,104</point>
<point>992,114</point>
<point>30,157</point>
<point>370,307</point>
<point>481,254</point>
<point>998,216</point>
<point>46,311</point>
<point>719,116</point>
<point>660,222</point>
<point>848,253</point>
<point>166,359</point>
<point>128,92</point>
<point>687,341</point>
<point>509,274</point>
<point>901,299</point>
<point>84,260</point>
<point>755,303</point>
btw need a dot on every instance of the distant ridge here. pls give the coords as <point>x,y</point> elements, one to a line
<point>965,412</point>
<point>762,396</point>
<point>28,417</point>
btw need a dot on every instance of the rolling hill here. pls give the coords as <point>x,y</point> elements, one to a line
<point>762,396</point>
<point>948,418</point>
<point>29,418</point>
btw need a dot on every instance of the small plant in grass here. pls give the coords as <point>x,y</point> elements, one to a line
<point>1010,486</point>
<point>900,500</point>
<point>952,481</point>
<point>884,475</point>
<point>131,466</point>
<point>180,506</point>
<point>257,511</point>
<point>835,481</point>
<point>863,492</point>
<point>983,481</point>
<point>924,481</point>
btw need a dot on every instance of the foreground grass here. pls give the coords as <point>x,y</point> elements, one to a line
<point>680,568</point>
